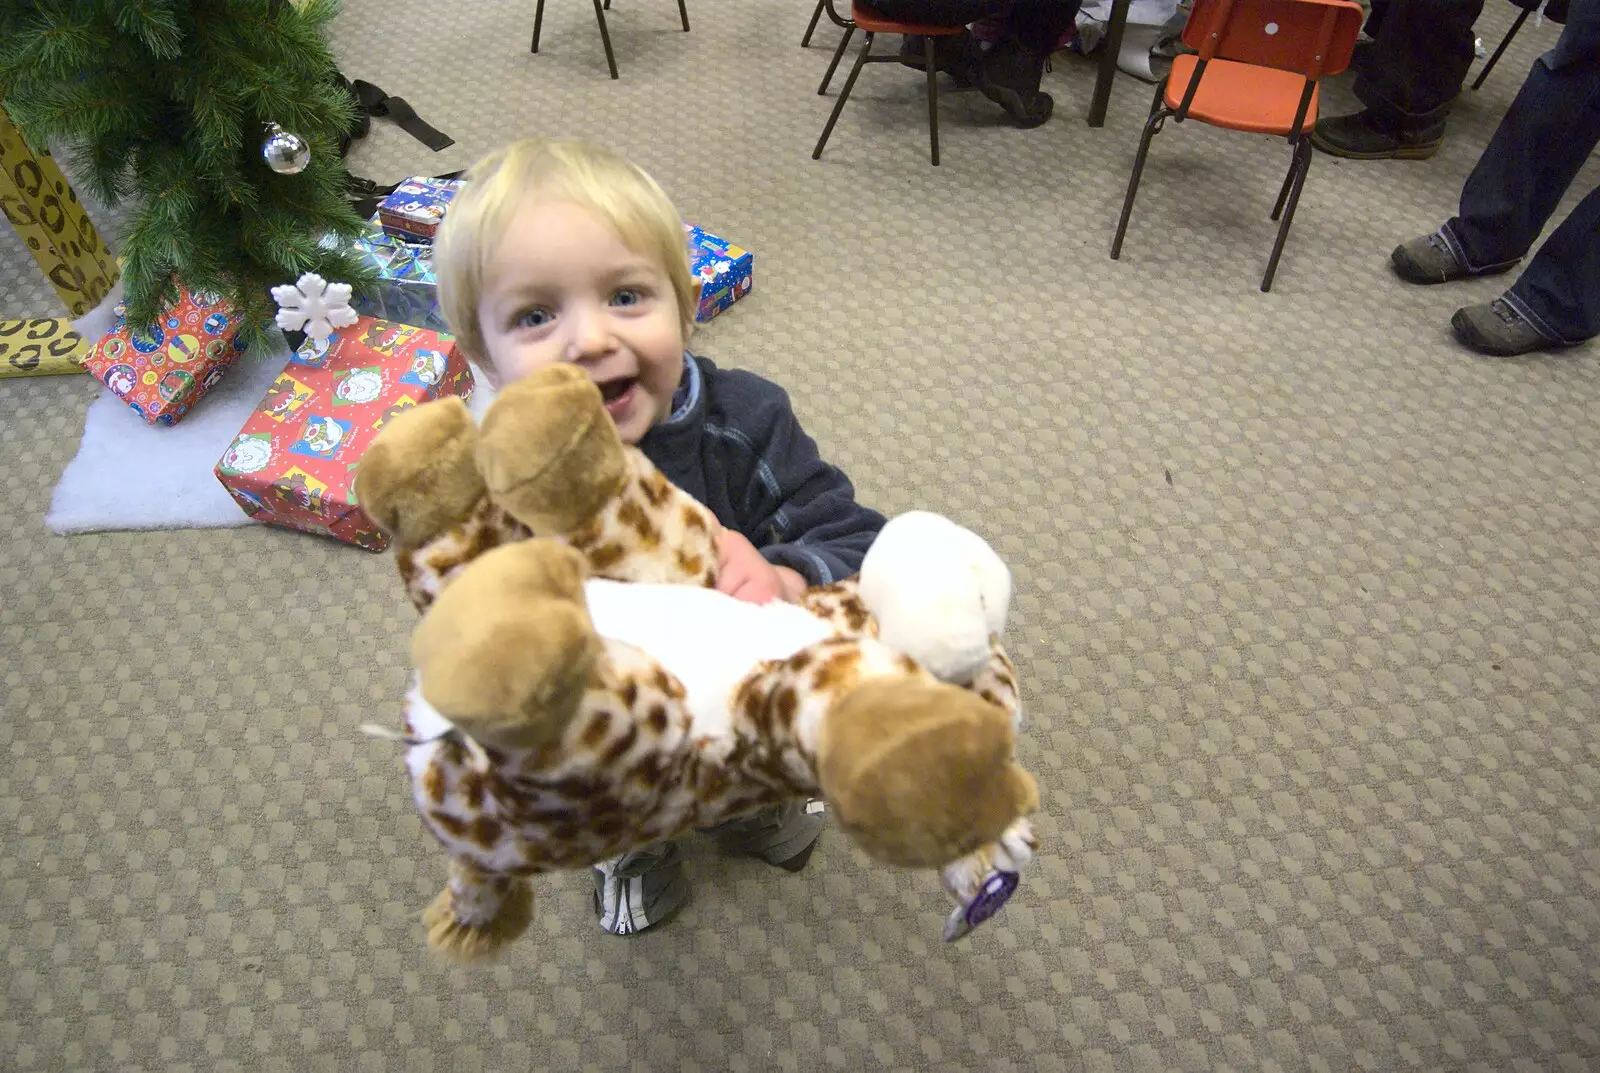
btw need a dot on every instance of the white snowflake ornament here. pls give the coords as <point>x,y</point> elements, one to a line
<point>314,305</point>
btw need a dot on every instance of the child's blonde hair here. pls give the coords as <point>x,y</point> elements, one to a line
<point>616,190</point>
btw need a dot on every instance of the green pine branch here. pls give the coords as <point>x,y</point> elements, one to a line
<point>154,23</point>
<point>165,104</point>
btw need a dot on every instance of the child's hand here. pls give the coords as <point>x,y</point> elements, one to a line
<point>745,574</point>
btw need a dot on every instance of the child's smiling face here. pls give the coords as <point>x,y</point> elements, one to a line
<point>564,287</point>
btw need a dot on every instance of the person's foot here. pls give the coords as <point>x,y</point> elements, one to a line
<point>784,836</point>
<point>1361,136</point>
<point>1496,328</point>
<point>640,890</point>
<point>956,56</point>
<point>1427,259</point>
<point>1011,76</point>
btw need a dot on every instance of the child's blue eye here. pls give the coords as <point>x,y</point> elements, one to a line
<point>627,297</point>
<point>537,317</point>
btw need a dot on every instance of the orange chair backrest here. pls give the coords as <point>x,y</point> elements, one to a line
<point>1310,37</point>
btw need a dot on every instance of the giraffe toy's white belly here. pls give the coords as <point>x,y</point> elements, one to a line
<point>707,640</point>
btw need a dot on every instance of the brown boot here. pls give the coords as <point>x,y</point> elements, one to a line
<point>1363,136</point>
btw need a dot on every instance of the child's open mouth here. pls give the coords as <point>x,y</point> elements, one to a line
<point>617,394</point>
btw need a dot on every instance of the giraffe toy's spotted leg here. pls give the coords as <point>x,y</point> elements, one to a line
<point>996,682</point>
<point>983,881</point>
<point>477,913</point>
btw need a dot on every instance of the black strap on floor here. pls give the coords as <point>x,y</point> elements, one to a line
<point>378,103</point>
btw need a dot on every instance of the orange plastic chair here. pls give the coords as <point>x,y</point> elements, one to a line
<point>865,18</point>
<point>1257,69</point>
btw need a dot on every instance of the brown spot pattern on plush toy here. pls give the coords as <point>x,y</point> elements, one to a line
<point>840,606</point>
<point>657,526</point>
<point>433,785</point>
<point>427,569</point>
<point>649,531</point>
<point>657,489</point>
<point>634,514</point>
<point>996,681</point>
<point>837,670</point>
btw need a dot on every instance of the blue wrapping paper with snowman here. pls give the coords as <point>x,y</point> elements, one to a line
<point>724,271</point>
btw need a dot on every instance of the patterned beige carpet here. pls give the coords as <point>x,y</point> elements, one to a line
<point>1307,614</point>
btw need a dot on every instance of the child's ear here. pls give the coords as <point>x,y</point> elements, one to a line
<point>692,313</point>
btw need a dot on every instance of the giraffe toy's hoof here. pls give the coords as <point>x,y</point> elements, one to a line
<point>921,773</point>
<point>420,475</point>
<point>982,882</point>
<point>464,942</point>
<point>506,651</point>
<point>549,453</point>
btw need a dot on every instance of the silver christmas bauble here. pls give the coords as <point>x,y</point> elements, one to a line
<point>285,152</point>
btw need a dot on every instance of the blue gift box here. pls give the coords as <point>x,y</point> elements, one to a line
<point>407,290</point>
<point>416,208</point>
<point>726,272</point>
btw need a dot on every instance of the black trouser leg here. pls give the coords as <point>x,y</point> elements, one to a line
<point>1419,61</point>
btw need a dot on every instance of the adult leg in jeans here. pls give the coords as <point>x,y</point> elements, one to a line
<point>1409,77</point>
<point>1536,152</point>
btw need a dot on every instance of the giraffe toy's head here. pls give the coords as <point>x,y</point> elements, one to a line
<point>939,592</point>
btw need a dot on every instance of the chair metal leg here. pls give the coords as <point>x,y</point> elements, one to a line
<point>605,37</point>
<point>1301,165</point>
<point>838,54</point>
<point>1515,26</point>
<point>538,22</point>
<point>683,13</point>
<point>1153,124</point>
<point>1288,179</point>
<point>810,29</point>
<point>608,5</point>
<point>933,98</point>
<point>1156,101</point>
<point>844,95</point>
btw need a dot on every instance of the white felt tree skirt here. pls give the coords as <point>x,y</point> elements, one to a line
<point>130,475</point>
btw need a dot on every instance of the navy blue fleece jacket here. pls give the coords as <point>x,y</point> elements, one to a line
<point>733,442</point>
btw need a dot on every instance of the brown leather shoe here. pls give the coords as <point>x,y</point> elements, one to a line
<point>1361,136</point>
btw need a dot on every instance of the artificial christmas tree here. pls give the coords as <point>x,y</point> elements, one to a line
<point>220,120</point>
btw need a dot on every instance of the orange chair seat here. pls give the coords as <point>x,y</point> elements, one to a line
<point>1241,96</point>
<point>873,23</point>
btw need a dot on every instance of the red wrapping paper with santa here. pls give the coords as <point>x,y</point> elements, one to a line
<point>294,462</point>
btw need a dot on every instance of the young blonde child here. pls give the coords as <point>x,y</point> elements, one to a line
<point>560,251</point>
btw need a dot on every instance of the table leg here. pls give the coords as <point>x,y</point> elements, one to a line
<point>1110,50</point>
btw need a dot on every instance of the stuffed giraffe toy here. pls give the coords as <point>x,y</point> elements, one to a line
<point>582,690</point>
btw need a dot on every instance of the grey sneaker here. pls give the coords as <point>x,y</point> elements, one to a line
<point>783,835</point>
<point>1497,328</point>
<point>1429,259</point>
<point>640,890</point>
